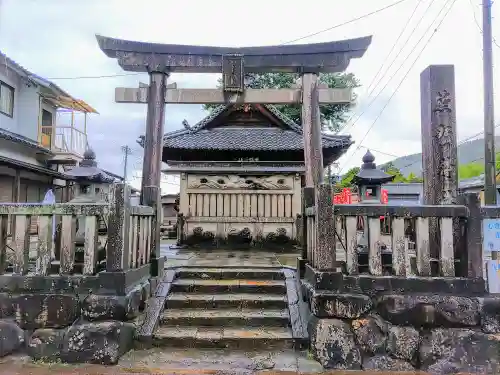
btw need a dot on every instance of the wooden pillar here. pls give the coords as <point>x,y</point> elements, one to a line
<point>153,148</point>
<point>439,143</point>
<point>16,196</point>
<point>322,255</point>
<point>16,188</point>
<point>311,123</point>
<point>471,255</point>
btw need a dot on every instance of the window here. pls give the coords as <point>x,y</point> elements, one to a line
<point>6,99</point>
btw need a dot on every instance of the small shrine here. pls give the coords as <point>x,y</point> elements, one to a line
<point>241,172</point>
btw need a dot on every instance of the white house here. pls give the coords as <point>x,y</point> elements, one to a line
<point>42,130</point>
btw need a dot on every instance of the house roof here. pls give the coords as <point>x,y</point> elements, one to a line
<point>53,93</point>
<point>9,136</point>
<point>254,138</point>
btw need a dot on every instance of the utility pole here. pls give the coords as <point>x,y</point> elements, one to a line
<point>490,192</point>
<point>126,151</point>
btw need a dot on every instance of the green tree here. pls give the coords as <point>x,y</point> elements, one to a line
<point>470,170</point>
<point>475,168</point>
<point>347,178</point>
<point>332,115</point>
<point>414,178</point>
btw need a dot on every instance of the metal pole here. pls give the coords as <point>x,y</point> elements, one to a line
<point>490,193</point>
<point>127,151</point>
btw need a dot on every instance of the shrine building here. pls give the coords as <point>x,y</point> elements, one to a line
<point>242,170</point>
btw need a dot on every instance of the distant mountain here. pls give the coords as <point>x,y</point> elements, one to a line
<point>467,153</point>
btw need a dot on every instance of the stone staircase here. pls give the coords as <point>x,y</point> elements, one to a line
<point>242,308</point>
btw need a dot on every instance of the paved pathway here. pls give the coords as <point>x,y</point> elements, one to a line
<point>221,258</point>
<point>221,363</point>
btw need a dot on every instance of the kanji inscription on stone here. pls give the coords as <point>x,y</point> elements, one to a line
<point>233,79</point>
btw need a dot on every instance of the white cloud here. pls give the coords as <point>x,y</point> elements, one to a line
<point>55,38</point>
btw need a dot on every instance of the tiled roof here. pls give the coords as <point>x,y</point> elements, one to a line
<point>5,134</point>
<point>31,76</point>
<point>57,95</point>
<point>246,138</point>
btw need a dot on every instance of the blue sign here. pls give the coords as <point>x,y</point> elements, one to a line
<point>493,270</point>
<point>491,235</point>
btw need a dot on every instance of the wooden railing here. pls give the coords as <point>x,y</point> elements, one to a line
<point>456,249</point>
<point>141,218</point>
<point>17,252</point>
<point>401,217</point>
<point>56,250</point>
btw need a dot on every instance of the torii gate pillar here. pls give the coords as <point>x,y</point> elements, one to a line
<point>153,148</point>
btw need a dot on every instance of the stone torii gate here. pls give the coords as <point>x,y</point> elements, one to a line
<point>159,60</point>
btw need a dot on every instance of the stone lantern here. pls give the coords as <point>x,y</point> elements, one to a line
<point>91,185</point>
<point>369,181</point>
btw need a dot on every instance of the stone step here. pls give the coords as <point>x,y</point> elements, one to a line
<point>228,286</point>
<point>234,300</point>
<point>225,318</point>
<point>205,273</point>
<point>233,338</point>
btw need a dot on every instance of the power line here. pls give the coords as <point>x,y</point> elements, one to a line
<point>479,26</point>
<point>346,22</point>
<point>95,77</point>
<point>290,41</point>
<point>407,23</point>
<point>458,144</point>
<point>408,71</point>
<point>392,63</point>
<point>380,152</point>
<point>126,151</point>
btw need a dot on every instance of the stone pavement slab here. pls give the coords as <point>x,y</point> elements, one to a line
<point>186,362</point>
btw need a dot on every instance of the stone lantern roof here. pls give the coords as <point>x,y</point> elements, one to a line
<point>369,174</point>
<point>88,170</point>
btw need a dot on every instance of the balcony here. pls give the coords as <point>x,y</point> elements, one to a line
<point>64,140</point>
<point>66,134</point>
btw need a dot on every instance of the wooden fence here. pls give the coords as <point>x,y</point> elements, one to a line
<point>55,250</point>
<point>456,250</point>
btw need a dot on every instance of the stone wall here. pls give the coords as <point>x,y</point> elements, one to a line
<point>67,322</point>
<point>440,325</point>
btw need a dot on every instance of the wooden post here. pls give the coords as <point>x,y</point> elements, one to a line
<point>323,231</point>
<point>313,155</point>
<point>16,195</point>
<point>471,259</point>
<point>439,143</point>
<point>117,252</point>
<point>153,148</point>
<point>308,201</point>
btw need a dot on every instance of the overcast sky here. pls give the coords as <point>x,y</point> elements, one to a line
<point>56,39</point>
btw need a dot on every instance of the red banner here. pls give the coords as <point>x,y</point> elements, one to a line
<point>345,197</point>
<point>384,197</point>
